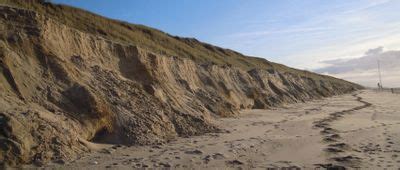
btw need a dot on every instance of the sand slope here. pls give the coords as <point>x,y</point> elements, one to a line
<point>354,130</point>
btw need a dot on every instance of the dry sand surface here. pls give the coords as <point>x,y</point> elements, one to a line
<point>361,129</point>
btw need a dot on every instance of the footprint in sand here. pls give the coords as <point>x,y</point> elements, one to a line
<point>333,150</point>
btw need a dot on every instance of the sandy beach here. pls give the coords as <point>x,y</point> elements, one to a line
<point>358,130</point>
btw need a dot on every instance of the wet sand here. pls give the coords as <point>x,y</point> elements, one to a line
<point>361,129</point>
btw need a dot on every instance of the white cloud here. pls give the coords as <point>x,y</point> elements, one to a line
<point>364,70</point>
<point>282,31</point>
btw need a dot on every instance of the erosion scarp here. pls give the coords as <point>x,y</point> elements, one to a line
<point>61,87</point>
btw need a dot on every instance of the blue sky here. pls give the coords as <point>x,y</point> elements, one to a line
<point>298,33</point>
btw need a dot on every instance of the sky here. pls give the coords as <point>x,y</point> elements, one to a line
<point>364,70</point>
<point>298,33</point>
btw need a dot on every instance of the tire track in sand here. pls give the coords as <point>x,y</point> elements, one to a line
<point>332,138</point>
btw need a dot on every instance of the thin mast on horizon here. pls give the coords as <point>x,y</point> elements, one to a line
<point>379,72</point>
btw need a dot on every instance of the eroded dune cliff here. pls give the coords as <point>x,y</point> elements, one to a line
<point>61,86</point>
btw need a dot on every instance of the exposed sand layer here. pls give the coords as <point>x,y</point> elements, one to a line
<point>354,130</point>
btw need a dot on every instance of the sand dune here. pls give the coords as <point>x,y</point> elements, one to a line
<point>354,130</point>
<point>69,78</point>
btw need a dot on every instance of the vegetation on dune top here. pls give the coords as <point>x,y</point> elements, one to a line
<point>152,39</point>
